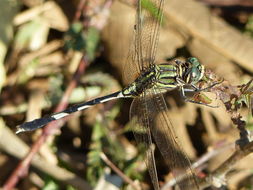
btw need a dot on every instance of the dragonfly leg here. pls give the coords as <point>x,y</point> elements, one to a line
<point>200,103</point>
<point>193,88</point>
<point>178,62</point>
<point>204,89</point>
<point>182,93</point>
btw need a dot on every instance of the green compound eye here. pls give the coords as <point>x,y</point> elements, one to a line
<point>196,69</point>
<point>194,61</point>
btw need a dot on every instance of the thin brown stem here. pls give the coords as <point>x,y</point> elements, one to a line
<point>118,171</point>
<point>217,176</point>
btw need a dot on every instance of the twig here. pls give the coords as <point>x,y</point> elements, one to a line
<point>218,176</point>
<point>229,96</point>
<point>203,159</point>
<point>79,10</point>
<point>118,171</point>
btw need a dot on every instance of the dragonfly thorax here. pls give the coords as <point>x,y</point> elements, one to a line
<point>182,73</point>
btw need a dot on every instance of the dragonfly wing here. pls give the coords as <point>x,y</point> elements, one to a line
<point>142,53</point>
<point>142,134</point>
<point>148,21</point>
<point>166,139</point>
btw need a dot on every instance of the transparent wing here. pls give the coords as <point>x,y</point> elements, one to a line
<point>139,117</point>
<point>151,113</point>
<point>149,15</point>
<point>148,21</point>
<point>166,139</point>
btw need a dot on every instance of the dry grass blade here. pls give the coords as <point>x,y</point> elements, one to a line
<point>211,30</point>
<point>19,149</point>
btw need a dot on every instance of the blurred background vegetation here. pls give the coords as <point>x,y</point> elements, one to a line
<point>41,46</point>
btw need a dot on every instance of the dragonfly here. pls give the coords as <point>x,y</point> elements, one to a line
<point>148,109</point>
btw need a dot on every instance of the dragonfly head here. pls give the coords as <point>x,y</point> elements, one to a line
<point>195,70</point>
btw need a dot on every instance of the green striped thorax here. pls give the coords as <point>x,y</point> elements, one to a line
<point>166,76</point>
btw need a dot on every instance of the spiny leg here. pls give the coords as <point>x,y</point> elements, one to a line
<point>196,89</point>
<point>182,93</point>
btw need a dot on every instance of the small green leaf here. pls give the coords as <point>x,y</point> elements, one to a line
<point>74,37</point>
<point>152,8</point>
<point>51,185</point>
<point>92,40</point>
<point>28,71</point>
